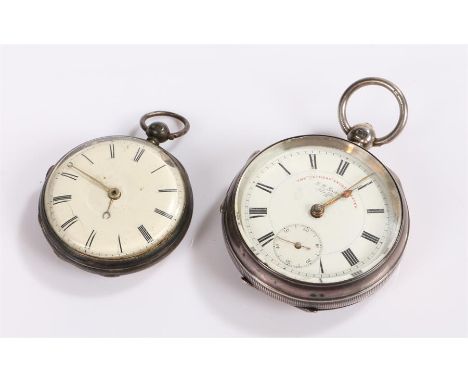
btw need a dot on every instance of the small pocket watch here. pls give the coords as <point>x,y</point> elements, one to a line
<point>118,204</point>
<point>317,221</point>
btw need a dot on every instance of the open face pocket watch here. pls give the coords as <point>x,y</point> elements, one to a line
<point>118,204</point>
<point>317,221</point>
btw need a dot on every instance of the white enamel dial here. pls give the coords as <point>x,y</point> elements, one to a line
<point>115,197</point>
<point>361,209</point>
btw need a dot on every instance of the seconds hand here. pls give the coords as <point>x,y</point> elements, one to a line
<point>297,244</point>
<point>106,214</point>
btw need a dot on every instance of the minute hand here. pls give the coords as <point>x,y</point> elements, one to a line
<point>92,178</point>
<point>346,193</point>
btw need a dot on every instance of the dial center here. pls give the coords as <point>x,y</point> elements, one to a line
<point>317,210</point>
<point>114,193</point>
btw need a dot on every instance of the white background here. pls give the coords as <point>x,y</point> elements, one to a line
<point>238,100</point>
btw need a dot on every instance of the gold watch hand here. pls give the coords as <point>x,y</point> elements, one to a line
<point>355,185</point>
<point>99,183</point>
<point>297,244</point>
<point>317,210</point>
<point>346,193</point>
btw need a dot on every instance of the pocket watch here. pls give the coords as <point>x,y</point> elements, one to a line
<point>118,204</point>
<point>317,221</point>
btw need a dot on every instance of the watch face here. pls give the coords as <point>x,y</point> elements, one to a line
<point>115,197</point>
<point>318,209</point>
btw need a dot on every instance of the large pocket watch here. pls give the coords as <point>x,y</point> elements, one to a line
<point>317,221</point>
<point>118,204</point>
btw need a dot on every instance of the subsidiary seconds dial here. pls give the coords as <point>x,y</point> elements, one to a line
<point>297,246</point>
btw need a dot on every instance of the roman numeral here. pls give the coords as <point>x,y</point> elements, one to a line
<point>370,237</point>
<point>162,213</point>
<point>168,190</point>
<point>265,239</point>
<point>90,240</point>
<point>145,233</point>
<point>90,161</point>
<point>375,211</point>
<point>321,266</point>
<point>120,244</point>
<point>61,199</point>
<point>264,187</point>
<point>112,150</point>
<point>138,154</point>
<point>350,257</point>
<point>152,172</point>
<point>69,223</point>
<point>257,212</point>
<point>342,167</point>
<point>364,185</point>
<point>70,176</point>
<point>313,161</point>
<point>284,168</point>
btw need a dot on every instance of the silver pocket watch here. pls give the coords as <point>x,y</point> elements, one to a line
<point>118,204</point>
<point>317,221</point>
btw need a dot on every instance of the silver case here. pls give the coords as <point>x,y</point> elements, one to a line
<point>125,265</point>
<point>308,296</point>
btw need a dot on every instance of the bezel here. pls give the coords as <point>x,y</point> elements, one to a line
<point>125,264</point>
<point>307,295</point>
